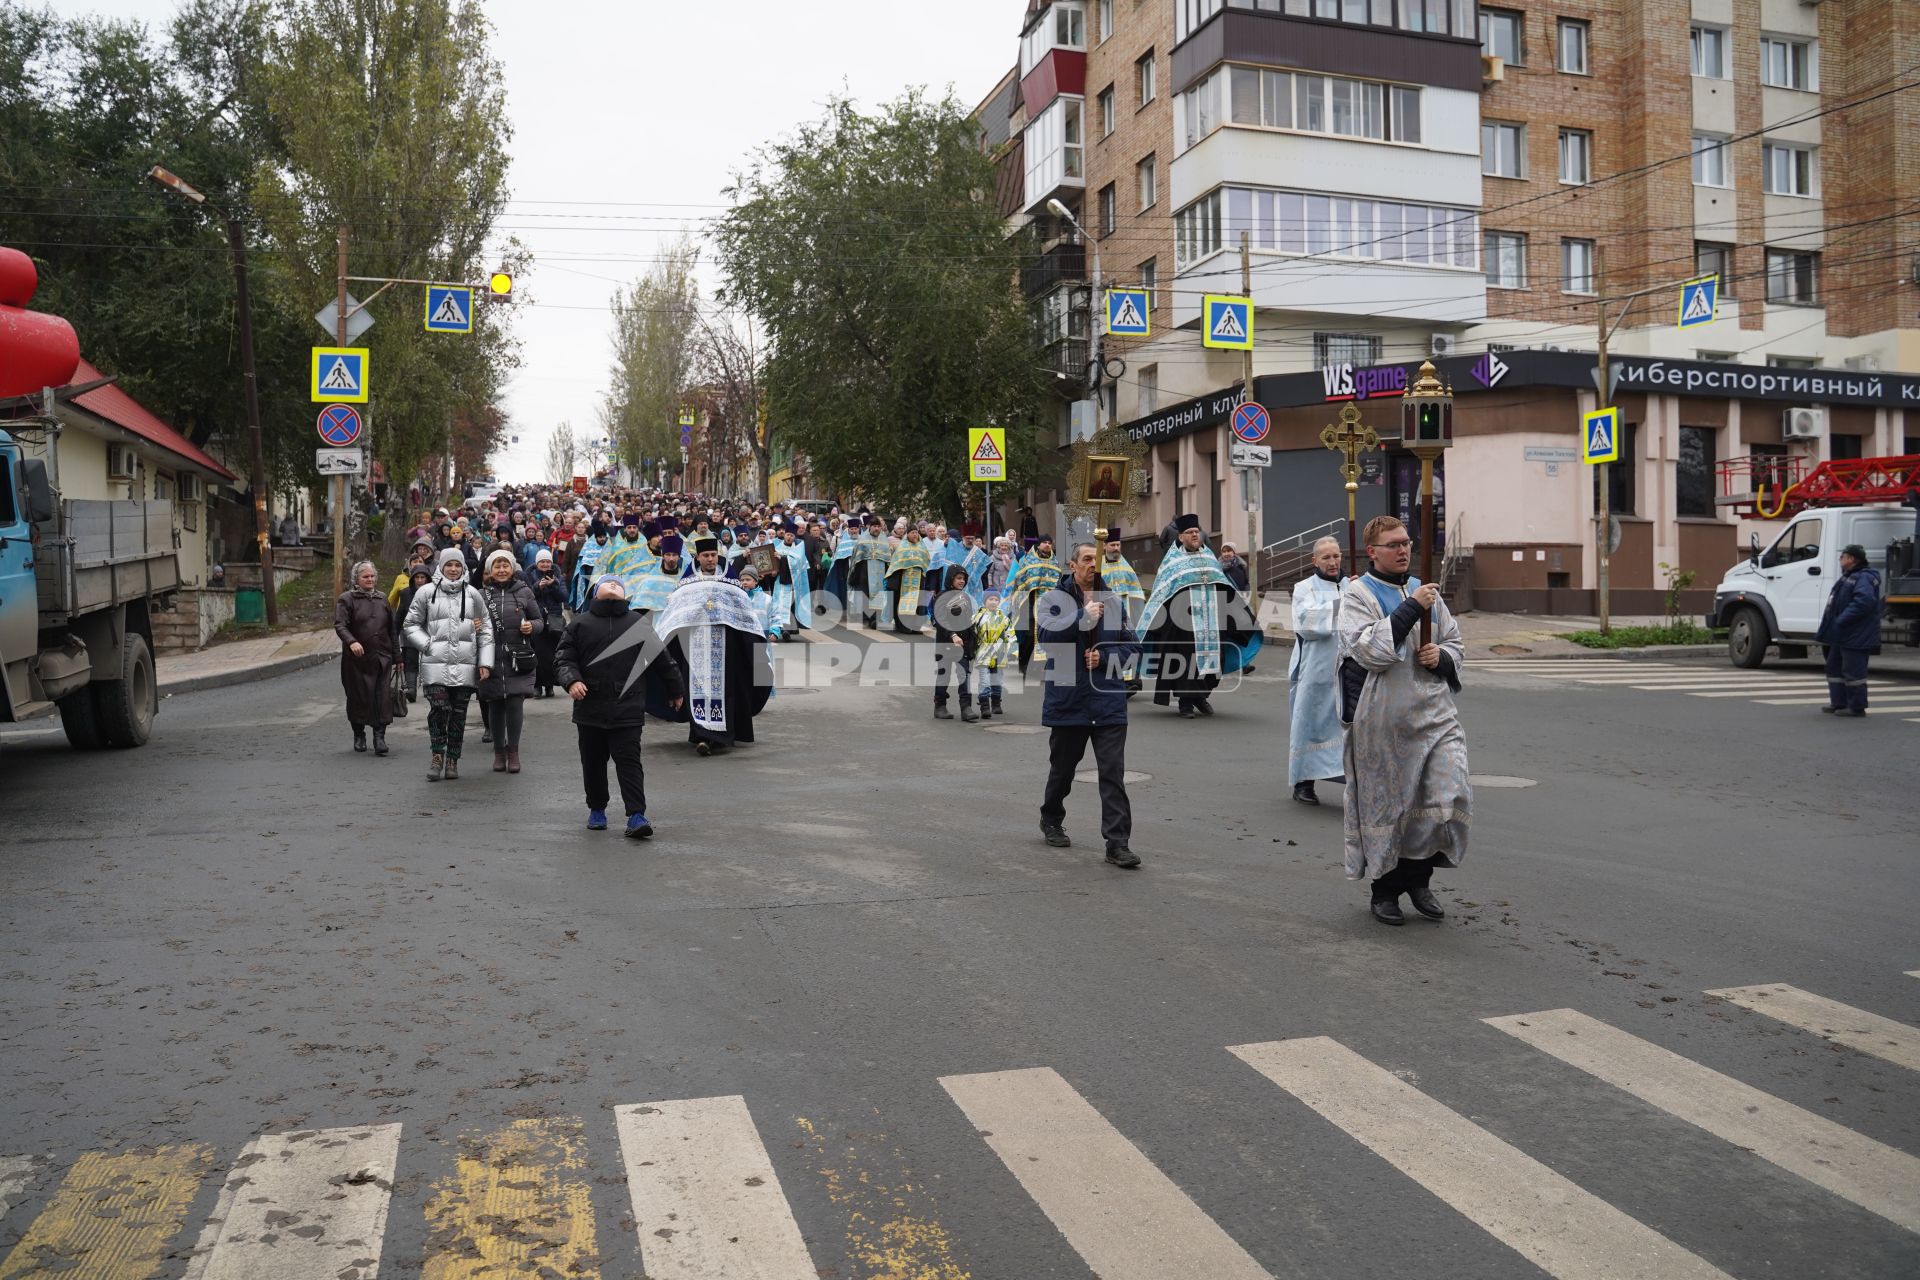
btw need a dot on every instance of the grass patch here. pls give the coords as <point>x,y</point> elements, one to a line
<point>1681,632</point>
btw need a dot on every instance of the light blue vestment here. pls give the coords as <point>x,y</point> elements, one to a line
<point>1315,738</point>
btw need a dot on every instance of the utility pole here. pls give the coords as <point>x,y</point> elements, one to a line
<point>340,482</point>
<point>1602,517</point>
<point>249,385</point>
<point>1250,477</point>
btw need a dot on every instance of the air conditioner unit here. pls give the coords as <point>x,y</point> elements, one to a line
<point>121,462</point>
<point>191,488</point>
<point>1492,70</point>
<point>1444,344</point>
<point>1803,424</point>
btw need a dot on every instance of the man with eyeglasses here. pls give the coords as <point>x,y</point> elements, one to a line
<point>1408,801</point>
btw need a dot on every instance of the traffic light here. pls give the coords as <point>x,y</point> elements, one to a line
<point>499,286</point>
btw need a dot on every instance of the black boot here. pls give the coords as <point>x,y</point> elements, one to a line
<point>986,708</point>
<point>940,711</point>
<point>967,713</point>
<point>1303,792</point>
<point>379,739</point>
<point>359,737</point>
<point>1387,910</point>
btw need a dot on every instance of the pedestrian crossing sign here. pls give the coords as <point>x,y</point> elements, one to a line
<point>1228,321</point>
<point>1129,313</point>
<point>1699,301</point>
<point>339,375</point>
<point>986,453</point>
<point>1600,436</point>
<point>449,309</point>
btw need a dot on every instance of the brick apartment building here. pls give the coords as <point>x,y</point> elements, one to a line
<point>1429,178</point>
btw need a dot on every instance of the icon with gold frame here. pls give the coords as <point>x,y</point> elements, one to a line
<point>1106,480</point>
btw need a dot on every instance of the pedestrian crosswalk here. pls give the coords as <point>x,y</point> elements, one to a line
<point>707,1199</point>
<point>1803,688</point>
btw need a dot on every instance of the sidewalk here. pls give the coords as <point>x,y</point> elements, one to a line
<point>1521,635</point>
<point>244,660</point>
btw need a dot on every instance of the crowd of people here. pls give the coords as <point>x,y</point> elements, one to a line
<point>646,602</point>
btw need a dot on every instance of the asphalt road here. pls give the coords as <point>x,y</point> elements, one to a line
<point>963,1054</point>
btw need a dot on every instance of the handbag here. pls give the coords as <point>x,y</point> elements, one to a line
<point>397,691</point>
<point>521,659</point>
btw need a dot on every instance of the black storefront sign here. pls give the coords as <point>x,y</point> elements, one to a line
<point>1574,369</point>
<point>1188,416</point>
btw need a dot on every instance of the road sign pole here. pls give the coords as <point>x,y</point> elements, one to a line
<point>1250,479</point>
<point>262,522</point>
<point>989,538</point>
<point>1603,481</point>
<point>340,482</point>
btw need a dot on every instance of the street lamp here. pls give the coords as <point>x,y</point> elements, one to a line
<point>237,240</point>
<point>1094,366</point>
<point>1426,427</point>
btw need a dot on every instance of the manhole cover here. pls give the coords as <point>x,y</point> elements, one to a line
<point>1508,650</point>
<point>1015,728</point>
<point>1501,781</point>
<point>1130,775</point>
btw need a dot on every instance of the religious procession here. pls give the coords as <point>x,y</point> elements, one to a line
<point>641,604</point>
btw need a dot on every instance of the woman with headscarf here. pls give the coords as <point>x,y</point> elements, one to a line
<point>551,598</point>
<point>1001,567</point>
<point>448,624</point>
<point>516,619</point>
<point>596,547</point>
<point>363,620</point>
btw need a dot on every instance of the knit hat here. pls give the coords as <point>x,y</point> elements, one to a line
<point>497,556</point>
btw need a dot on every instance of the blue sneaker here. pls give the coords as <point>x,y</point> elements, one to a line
<point>638,828</point>
<point>596,819</point>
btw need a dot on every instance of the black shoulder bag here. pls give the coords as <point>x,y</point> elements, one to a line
<point>521,659</point>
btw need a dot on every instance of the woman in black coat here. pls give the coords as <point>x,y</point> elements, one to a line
<point>550,596</point>
<point>503,694</point>
<point>417,577</point>
<point>363,620</point>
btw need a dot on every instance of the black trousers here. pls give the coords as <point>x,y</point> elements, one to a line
<point>1067,747</point>
<point>622,746</point>
<point>1408,873</point>
<point>950,666</point>
<point>1847,678</point>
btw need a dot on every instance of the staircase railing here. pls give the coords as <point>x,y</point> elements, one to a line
<point>1450,561</point>
<point>1283,563</point>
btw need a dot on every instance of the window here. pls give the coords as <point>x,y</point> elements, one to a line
<point>1297,222</point>
<point>1619,475</point>
<point>1107,210</point>
<point>1503,149</point>
<point>1576,156</point>
<point>1572,46</point>
<point>1792,277</point>
<point>1346,348</point>
<point>1063,314</point>
<point>1252,97</point>
<point>1104,10</point>
<point>1503,34</point>
<point>1693,486</point>
<point>1190,15</point>
<point>1065,27</point>
<point>1717,357</point>
<point>1792,362</point>
<point>1147,172</point>
<point>1054,151</point>
<point>1069,26</point>
<point>1786,64</point>
<point>1149,382</point>
<point>1709,49</point>
<point>6,492</point>
<point>1787,171</point>
<point>1711,259</point>
<point>1106,112</point>
<point>1710,161</point>
<point>1196,230</point>
<point>1150,276</point>
<point>1576,266</point>
<point>1145,68</point>
<point>1505,256</point>
<point>1844,446</point>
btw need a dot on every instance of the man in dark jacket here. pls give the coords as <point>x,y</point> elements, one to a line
<point>607,660</point>
<point>1087,650</point>
<point>1850,628</point>
<point>954,644</point>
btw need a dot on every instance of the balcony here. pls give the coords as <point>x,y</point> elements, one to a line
<point>1055,157</point>
<point>1063,262</point>
<point>1068,358</point>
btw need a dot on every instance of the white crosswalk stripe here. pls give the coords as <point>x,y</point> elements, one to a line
<point>1830,1020</point>
<point>302,1205</point>
<point>1870,1174</point>
<point>1124,1217</point>
<point>705,1195</point>
<point>15,1173</point>
<point>1563,1230</point>
<point>1777,688</point>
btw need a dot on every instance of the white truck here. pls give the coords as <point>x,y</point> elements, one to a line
<point>1776,595</point>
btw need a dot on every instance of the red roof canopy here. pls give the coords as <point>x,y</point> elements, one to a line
<point>122,410</point>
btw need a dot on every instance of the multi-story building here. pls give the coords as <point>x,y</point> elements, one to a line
<point>1432,178</point>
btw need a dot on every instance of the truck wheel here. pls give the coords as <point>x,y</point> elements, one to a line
<point>81,721</point>
<point>126,704</point>
<point>1747,638</point>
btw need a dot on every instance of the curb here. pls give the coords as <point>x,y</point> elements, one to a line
<point>244,675</point>
<point>1648,651</point>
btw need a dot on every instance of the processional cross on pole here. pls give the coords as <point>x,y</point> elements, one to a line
<point>1353,438</point>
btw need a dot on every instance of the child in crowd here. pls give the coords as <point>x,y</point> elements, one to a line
<point>993,634</point>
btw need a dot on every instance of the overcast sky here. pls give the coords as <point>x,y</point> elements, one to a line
<point>638,113</point>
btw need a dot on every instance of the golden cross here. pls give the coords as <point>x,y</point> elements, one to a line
<point>1353,438</point>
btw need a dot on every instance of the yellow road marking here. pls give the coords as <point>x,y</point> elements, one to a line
<point>891,1230</point>
<point>113,1216</point>
<point>515,1206</point>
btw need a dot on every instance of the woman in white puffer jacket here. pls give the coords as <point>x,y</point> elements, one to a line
<point>448,624</point>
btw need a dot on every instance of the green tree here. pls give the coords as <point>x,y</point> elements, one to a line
<point>392,118</point>
<point>654,324</point>
<point>868,250</point>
